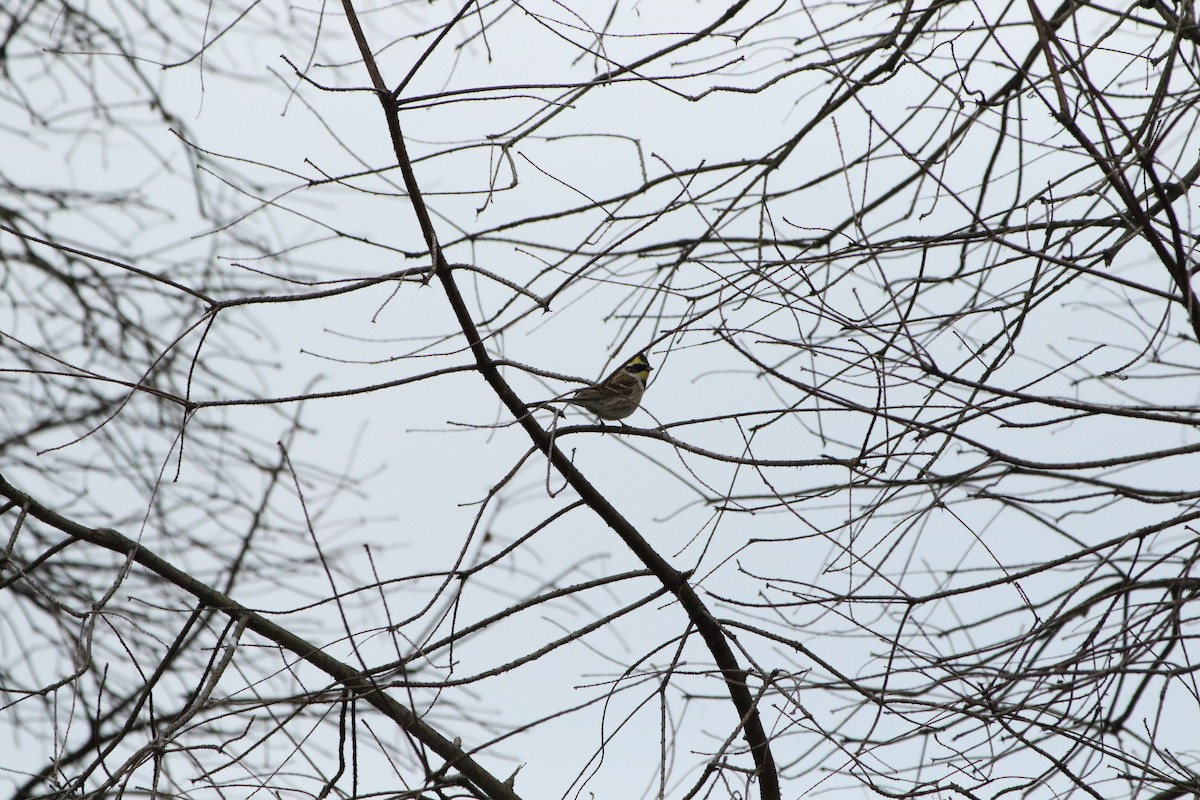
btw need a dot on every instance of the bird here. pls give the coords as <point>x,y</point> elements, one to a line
<point>618,395</point>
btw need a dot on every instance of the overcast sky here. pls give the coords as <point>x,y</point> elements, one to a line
<point>252,182</point>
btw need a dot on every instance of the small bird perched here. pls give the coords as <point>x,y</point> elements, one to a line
<point>618,395</point>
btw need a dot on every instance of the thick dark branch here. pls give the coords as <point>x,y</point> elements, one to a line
<point>675,581</point>
<point>486,783</point>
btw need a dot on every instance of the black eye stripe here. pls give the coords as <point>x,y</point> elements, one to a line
<point>637,364</point>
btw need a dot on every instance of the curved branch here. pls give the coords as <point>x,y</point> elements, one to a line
<point>734,675</point>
